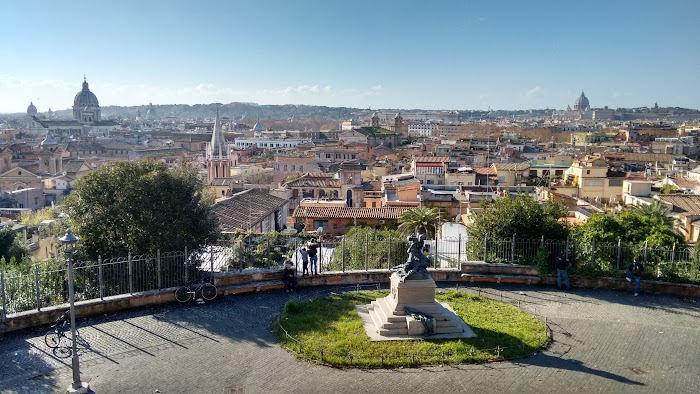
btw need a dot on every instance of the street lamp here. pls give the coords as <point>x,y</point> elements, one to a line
<point>68,241</point>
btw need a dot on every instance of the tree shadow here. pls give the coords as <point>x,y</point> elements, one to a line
<point>28,366</point>
<point>544,360</point>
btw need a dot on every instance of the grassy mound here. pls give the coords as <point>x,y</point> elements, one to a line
<point>329,331</point>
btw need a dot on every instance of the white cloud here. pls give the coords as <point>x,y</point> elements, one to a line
<point>535,93</point>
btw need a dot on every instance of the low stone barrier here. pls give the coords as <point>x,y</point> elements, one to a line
<point>647,286</point>
<point>239,282</point>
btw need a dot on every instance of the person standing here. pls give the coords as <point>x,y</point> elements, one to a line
<point>562,264</point>
<point>288,278</point>
<point>312,250</point>
<point>635,271</point>
<point>304,261</point>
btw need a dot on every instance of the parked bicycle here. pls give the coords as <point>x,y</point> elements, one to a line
<point>186,293</point>
<point>57,332</point>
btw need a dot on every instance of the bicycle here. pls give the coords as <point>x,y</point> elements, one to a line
<point>186,293</point>
<point>58,331</point>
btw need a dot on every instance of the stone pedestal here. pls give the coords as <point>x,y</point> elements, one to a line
<point>386,319</point>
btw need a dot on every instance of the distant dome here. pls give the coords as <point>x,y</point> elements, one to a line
<point>258,127</point>
<point>581,103</point>
<point>85,98</point>
<point>31,110</point>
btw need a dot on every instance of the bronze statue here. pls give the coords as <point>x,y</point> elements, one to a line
<point>416,266</point>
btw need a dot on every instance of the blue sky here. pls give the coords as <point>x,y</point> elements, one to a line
<point>380,54</point>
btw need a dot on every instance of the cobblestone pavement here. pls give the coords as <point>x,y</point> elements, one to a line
<point>603,341</point>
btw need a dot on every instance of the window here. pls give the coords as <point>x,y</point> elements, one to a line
<point>588,172</point>
<point>301,168</point>
<point>320,223</point>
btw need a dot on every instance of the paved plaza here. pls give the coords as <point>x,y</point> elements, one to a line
<point>603,341</point>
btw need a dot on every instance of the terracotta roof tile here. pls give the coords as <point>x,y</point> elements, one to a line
<point>349,213</point>
<point>245,209</point>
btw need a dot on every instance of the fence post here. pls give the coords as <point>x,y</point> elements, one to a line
<point>100,277</point>
<point>673,254</point>
<point>436,262</point>
<point>619,252</point>
<point>388,261</point>
<point>240,256</point>
<point>131,275</point>
<point>296,255</point>
<point>158,270</point>
<point>367,252</point>
<point>187,267</point>
<point>592,253</point>
<point>485,246</point>
<point>542,241</point>
<point>3,314</point>
<point>36,287</point>
<point>459,251</point>
<point>512,250</point>
<point>567,247</point>
<point>646,245</point>
<point>342,253</point>
<point>211,256</point>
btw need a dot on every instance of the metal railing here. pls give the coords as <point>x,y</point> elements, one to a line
<point>45,284</point>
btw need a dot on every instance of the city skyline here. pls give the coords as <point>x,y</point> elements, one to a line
<point>454,55</point>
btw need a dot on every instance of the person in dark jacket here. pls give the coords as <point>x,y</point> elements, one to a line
<point>562,264</point>
<point>312,250</point>
<point>288,277</point>
<point>635,271</point>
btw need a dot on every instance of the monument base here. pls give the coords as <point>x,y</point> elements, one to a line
<point>386,318</point>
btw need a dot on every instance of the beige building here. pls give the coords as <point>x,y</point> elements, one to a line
<point>588,178</point>
<point>512,174</point>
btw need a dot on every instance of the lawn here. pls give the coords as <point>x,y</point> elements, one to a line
<point>329,331</point>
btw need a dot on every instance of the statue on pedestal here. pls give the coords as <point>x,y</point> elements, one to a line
<point>416,266</point>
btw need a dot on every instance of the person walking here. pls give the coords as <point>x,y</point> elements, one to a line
<point>312,250</point>
<point>304,261</point>
<point>288,277</point>
<point>562,264</point>
<point>635,271</point>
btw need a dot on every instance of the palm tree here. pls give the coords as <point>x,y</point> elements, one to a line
<point>421,221</point>
<point>656,209</point>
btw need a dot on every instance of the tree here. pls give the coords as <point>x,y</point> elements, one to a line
<point>141,207</point>
<point>421,221</point>
<point>11,250</point>
<point>655,211</point>
<point>520,216</point>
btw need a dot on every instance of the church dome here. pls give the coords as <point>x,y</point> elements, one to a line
<point>85,98</point>
<point>581,103</point>
<point>258,127</point>
<point>31,110</point>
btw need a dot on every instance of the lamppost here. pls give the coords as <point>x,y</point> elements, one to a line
<point>68,241</point>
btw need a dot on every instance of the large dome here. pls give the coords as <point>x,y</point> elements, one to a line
<point>31,110</point>
<point>582,103</point>
<point>85,98</point>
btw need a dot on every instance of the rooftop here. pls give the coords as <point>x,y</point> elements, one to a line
<point>349,212</point>
<point>245,209</point>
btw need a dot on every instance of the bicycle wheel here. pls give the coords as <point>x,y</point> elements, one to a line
<point>208,291</point>
<point>52,339</point>
<point>183,294</point>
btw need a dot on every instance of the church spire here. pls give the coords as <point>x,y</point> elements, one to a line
<point>217,147</point>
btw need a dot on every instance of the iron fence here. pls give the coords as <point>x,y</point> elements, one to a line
<point>45,284</point>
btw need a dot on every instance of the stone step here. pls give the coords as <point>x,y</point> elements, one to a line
<point>392,331</point>
<point>378,321</point>
<point>490,278</point>
<point>387,314</point>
